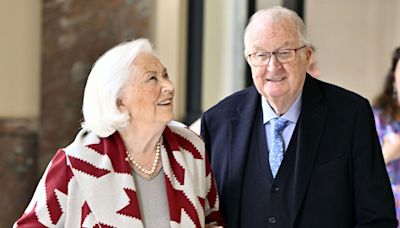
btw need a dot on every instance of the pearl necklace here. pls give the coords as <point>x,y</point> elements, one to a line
<point>155,162</point>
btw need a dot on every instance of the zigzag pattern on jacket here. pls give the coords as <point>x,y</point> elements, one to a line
<point>89,184</point>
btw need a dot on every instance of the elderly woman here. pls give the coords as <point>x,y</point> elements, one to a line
<point>130,165</point>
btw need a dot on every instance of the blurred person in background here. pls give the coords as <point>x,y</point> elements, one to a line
<point>130,165</point>
<point>386,109</point>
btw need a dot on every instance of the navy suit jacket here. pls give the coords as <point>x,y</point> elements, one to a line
<point>340,178</point>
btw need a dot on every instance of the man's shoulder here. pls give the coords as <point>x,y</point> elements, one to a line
<point>231,102</point>
<point>337,93</point>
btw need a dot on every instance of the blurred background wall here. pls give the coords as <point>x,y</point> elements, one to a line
<point>47,48</point>
<point>354,41</point>
<point>20,60</point>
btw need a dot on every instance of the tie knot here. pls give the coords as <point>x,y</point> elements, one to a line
<point>278,124</point>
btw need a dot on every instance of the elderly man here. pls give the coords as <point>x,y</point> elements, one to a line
<point>292,151</point>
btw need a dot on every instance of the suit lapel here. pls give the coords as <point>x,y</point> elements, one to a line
<point>240,132</point>
<point>312,120</point>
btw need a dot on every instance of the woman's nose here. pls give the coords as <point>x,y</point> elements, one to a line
<point>168,87</point>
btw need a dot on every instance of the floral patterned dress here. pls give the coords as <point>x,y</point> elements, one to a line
<point>386,126</point>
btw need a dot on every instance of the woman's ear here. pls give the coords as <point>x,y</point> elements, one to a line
<point>120,105</point>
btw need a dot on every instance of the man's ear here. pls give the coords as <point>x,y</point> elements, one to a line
<point>309,52</point>
<point>247,59</point>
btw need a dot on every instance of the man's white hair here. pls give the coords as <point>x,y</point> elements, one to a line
<point>277,13</point>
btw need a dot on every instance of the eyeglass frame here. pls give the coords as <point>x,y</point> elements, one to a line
<point>273,53</point>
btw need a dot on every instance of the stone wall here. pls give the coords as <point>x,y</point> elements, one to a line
<point>18,156</point>
<point>74,34</point>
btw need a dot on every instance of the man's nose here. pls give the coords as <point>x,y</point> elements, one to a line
<point>273,63</point>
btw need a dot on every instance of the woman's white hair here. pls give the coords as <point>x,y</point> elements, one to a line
<point>109,75</point>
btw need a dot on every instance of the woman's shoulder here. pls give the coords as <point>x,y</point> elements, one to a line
<point>82,140</point>
<point>185,132</point>
<point>381,116</point>
<point>181,128</point>
<point>377,110</point>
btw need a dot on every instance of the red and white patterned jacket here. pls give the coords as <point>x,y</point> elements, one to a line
<point>89,184</point>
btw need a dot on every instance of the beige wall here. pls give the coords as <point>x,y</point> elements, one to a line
<point>262,4</point>
<point>212,53</point>
<point>20,22</point>
<point>354,41</point>
<point>169,37</point>
<point>223,60</point>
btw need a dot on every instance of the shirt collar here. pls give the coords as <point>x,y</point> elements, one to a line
<point>292,114</point>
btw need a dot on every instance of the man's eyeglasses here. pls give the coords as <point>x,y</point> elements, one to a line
<point>283,56</point>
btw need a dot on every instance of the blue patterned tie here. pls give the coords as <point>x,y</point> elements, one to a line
<point>277,144</point>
